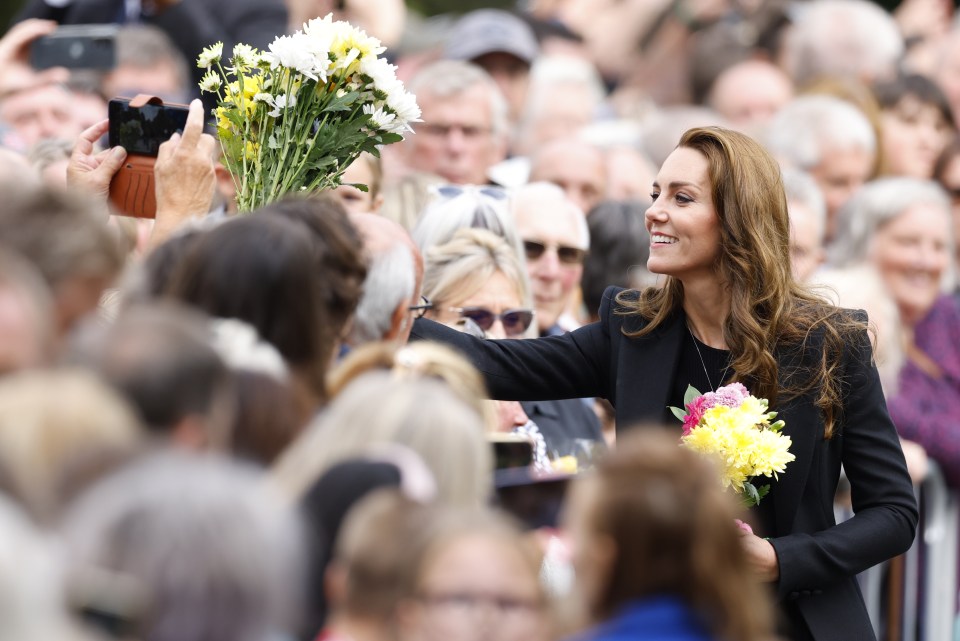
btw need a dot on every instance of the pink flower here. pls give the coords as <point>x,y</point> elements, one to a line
<point>695,410</point>
<point>731,395</point>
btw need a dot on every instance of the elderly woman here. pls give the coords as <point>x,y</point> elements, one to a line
<point>477,279</point>
<point>902,227</point>
<point>730,310</point>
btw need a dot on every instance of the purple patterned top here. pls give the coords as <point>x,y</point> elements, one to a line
<point>927,409</point>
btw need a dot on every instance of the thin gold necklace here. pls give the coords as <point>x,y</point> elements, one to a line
<point>704,365</point>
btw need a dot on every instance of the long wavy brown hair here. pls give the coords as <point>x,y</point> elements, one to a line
<point>771,313</point>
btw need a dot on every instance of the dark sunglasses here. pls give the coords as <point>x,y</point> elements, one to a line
<point>566,255</point>
<point>515,321</point>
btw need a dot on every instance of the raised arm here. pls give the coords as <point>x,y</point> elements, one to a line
<point>574,365</point>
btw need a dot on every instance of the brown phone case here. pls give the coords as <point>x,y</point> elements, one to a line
<point>132,189</point>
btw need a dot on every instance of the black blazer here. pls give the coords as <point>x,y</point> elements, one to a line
<point>818,559</point>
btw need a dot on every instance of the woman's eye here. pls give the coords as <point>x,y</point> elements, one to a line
<point>684,199</point>
<point>654,195</point>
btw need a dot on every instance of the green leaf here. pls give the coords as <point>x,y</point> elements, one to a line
<point>679,413</point>
<point>690,395</point>
<point>750,494</point>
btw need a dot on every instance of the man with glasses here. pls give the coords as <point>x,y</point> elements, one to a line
<point>464,128</point>
<point>556,239</point>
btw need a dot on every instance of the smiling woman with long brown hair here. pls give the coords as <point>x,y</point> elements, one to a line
<point>729,310</point>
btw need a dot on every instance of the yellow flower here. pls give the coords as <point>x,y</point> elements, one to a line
<point>244,99</point>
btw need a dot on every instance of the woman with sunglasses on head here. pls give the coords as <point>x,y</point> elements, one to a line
<point>477,280</point>
<point>730,310</point>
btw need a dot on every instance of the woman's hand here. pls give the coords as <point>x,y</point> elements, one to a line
<point>760,555</point>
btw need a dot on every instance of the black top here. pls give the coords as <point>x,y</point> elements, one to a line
<point>690,369</point>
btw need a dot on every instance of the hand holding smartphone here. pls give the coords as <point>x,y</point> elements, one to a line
<point>140,126</point>
<point>87,46</point>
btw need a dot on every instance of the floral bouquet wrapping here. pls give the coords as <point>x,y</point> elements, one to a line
<point>735,429</point>
<point>294,117</point>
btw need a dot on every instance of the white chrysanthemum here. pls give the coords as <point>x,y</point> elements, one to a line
<point>383,74</point>
<point>281,103</point>
<point>404,104</point>
<point>210,56</point>
<point>264,97</point>
<point>298,53</point>
<point>211,82</point>
<point>380,119</point>
<point>244,56</point>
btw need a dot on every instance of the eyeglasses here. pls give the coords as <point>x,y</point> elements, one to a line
<point>422,308</point>
<point>515,321</point>
<point>442,131</point>
<point>462,607</point>
<point>450,190</point>
<point>567,255</point>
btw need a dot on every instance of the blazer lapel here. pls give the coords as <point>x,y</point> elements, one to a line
<point>804,428</point>
<point>646,370</point>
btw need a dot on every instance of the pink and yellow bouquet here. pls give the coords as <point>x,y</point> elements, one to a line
<point>736,430</point>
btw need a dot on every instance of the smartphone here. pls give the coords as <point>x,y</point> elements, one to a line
<point>511,451</point>
<point>85,46</point>
<point>140,130</point>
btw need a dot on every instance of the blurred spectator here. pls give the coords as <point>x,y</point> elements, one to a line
<point>901,227</point>
<point>382,19</point>
<point>405,199</point>
<point>393,282</point>
<point>619,248</point>
<point>831,140</point>
<point>578,168</point>
<point>565,95</point>
<point>365,170</point>
<point>808,222</point>
<point>148,63</point>
<point>372,567</point>
<point>841,38</point>
<point>556,241</point>
<point>503,45</point>
<point>630,174</point>
<point>261,269</point>
<point>454,207</point>
<point>947,172</point>
<point>48,449</point>
<point>476,278</point>
<point>422,415</point>
<point>946,71</point>
<point>65,237</point>
<point>50,158</point>
<point>655,547</point>
<point>180,547</point>
<point>421,359</point>
<point>32,595</point>
<point>465,127</point>
<point>917,124</point>
<point>327,506</point>
<point>17,171</point>
<point>38,113</point>
<point>474,576</point>
<point>191,25</point>
<point>749,93</point>
<point>160,358</point>
<point>340,267</point>
<point>663,129</point>
<point>27,329</point>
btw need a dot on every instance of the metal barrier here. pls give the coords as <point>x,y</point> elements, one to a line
<point>914,597</point>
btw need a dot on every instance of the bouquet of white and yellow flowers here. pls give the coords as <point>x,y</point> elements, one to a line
<point>294,117</point>
<point>735,429</point>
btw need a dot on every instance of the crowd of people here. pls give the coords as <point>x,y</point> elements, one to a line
<point>291,423</point>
